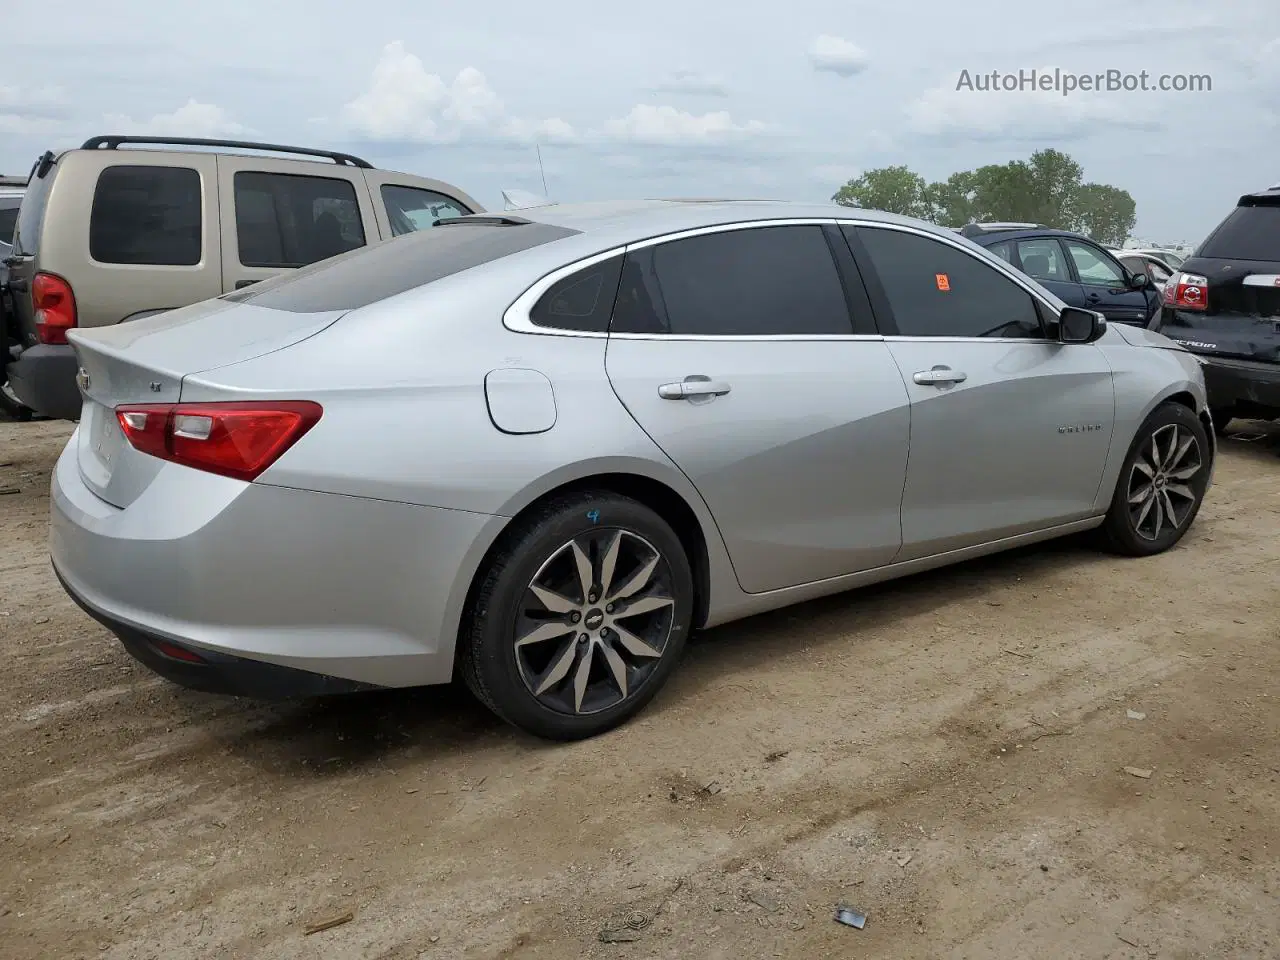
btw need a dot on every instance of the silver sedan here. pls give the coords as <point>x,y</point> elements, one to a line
<point>537,450</point>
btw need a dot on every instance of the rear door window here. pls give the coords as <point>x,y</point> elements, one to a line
<point>412,208</point>
<point>1248,233</point>
<point>288,220</point>
<point>26,236</point>
<point>1043,260</point>
<point>146,215</point>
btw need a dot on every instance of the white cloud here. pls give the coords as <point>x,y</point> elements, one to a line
<point>1031,114</point>
<point>835,175</point>
<point>836,55</point>
<point>33,111</point>
<point>192,119</point>
<point>404,102</point>
<point>666,126</point>
<point>692,83</point>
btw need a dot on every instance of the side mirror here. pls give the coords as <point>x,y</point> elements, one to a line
<point>1139,281</point>
<point>1080,326</point>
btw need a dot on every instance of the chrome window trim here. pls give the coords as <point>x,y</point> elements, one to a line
<point>516,318</point>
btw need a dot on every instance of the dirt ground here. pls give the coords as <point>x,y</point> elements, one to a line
<point>947,754</point>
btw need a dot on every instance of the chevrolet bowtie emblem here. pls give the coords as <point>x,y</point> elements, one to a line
<point>82,380</point>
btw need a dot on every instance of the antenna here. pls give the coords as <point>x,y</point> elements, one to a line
<point>545,192</point>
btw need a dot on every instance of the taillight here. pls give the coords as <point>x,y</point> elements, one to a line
<point>55,307</point>
<point>1186,291</point>
<point>238,439</point>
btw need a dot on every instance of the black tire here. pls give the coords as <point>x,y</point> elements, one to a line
<point>539,545</point>
<point>1127,529</point>
<point>1221,420</point>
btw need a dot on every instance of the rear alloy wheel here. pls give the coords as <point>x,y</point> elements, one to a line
<point>581,617</point>
<point>1162,483</point>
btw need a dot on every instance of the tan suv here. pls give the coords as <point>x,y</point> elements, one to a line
<point>106,235</point>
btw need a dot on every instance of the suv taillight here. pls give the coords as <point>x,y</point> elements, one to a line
<point>1186,291</point>
<point>237,439</point>
<point>55,307</point>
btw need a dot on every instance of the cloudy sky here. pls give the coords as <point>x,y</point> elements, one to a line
<point>670,97</point>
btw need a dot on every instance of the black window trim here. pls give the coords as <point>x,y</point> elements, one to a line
<point>880,301</point>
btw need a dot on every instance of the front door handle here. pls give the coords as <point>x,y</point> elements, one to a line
<point>939,376</point>
<point>1093,298</point>
<point>695,386</point>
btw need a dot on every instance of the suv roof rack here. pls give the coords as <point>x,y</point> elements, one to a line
<point>114,142</point>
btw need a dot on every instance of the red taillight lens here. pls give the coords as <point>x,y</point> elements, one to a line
<point>236,439</point>
<point>55,307</point>
<point>1186,291</point>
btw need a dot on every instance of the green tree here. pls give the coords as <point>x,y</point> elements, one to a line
<point>892,189</point>
<point>1104,212</point>
<point>952,201</point>
<point>1055,182</point>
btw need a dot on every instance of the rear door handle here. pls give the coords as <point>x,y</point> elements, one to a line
<point>241,284</point>
<point>695,386</point>
<point>939,376</point>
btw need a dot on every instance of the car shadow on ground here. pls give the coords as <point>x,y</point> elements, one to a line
<point>333,736</point>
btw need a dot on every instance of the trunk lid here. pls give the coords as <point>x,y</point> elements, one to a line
<point>145,361</point>
<point>1243,315</point>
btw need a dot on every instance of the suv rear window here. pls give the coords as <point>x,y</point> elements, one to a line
<point>146,215</point>
<point>375,273</point>
<point>1248,233</point>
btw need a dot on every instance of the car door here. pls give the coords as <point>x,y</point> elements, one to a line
<point>1106,286</point>
<point>734,349</point>
<point>1009,428</point>
<point>1044,260</point>
<point>279,215</point>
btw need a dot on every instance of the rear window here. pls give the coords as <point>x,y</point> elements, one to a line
<point>26,237</point>
<point>146,215</point>
<point>365,276</point>
<point>1248,233</point>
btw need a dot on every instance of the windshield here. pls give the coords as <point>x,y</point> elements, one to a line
<point>1248,233</point>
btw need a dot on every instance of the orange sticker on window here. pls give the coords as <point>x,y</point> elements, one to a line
<point>943,282</point>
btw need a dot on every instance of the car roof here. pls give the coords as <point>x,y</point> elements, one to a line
<point>995,236</point>
<point>613,223</point>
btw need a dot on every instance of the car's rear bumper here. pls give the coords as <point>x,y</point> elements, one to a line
<point>44,378</point>
<point>1241,384</point>
<point>346,590</point>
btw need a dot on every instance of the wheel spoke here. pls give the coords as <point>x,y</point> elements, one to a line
<point>638,581</point>
<point>1186,473</point>
<point>552,600</point>
<point>1142,515</point>
<point>586,578</point>
<point>1168,509</point>
<point>560,670</point>
<point>1144,468</point>
<point>618,668</point>
<point>581,677</point>
<point>634,645</point>
<point>548,631</point>
<point>1159,509</point>
<point>644,605</point>
<point>1143,495</point>
<point>609,563</point>
<point>1181,453</point>
<point>1181,489</point>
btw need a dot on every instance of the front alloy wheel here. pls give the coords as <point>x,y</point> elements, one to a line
<point>1161,496</point>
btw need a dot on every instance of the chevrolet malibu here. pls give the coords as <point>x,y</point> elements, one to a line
<point>536,450</point>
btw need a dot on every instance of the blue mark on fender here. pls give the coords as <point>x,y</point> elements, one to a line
<point>593,516</point>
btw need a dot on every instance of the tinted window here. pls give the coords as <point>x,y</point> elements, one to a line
<point>8,217</point>
<point>31,214</point>
<point>936,290</point>
<point>370,274</point>
<point>1003,250</point>
<point>754,282</point>
<point>285,220</point>
<point>583,301</point>
<point>1043,260</point>
<point>1157,272</point>
<point>1248,233</point>
<point>146,215</point>
<point>412,208</point>
<point>1093,266</point>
